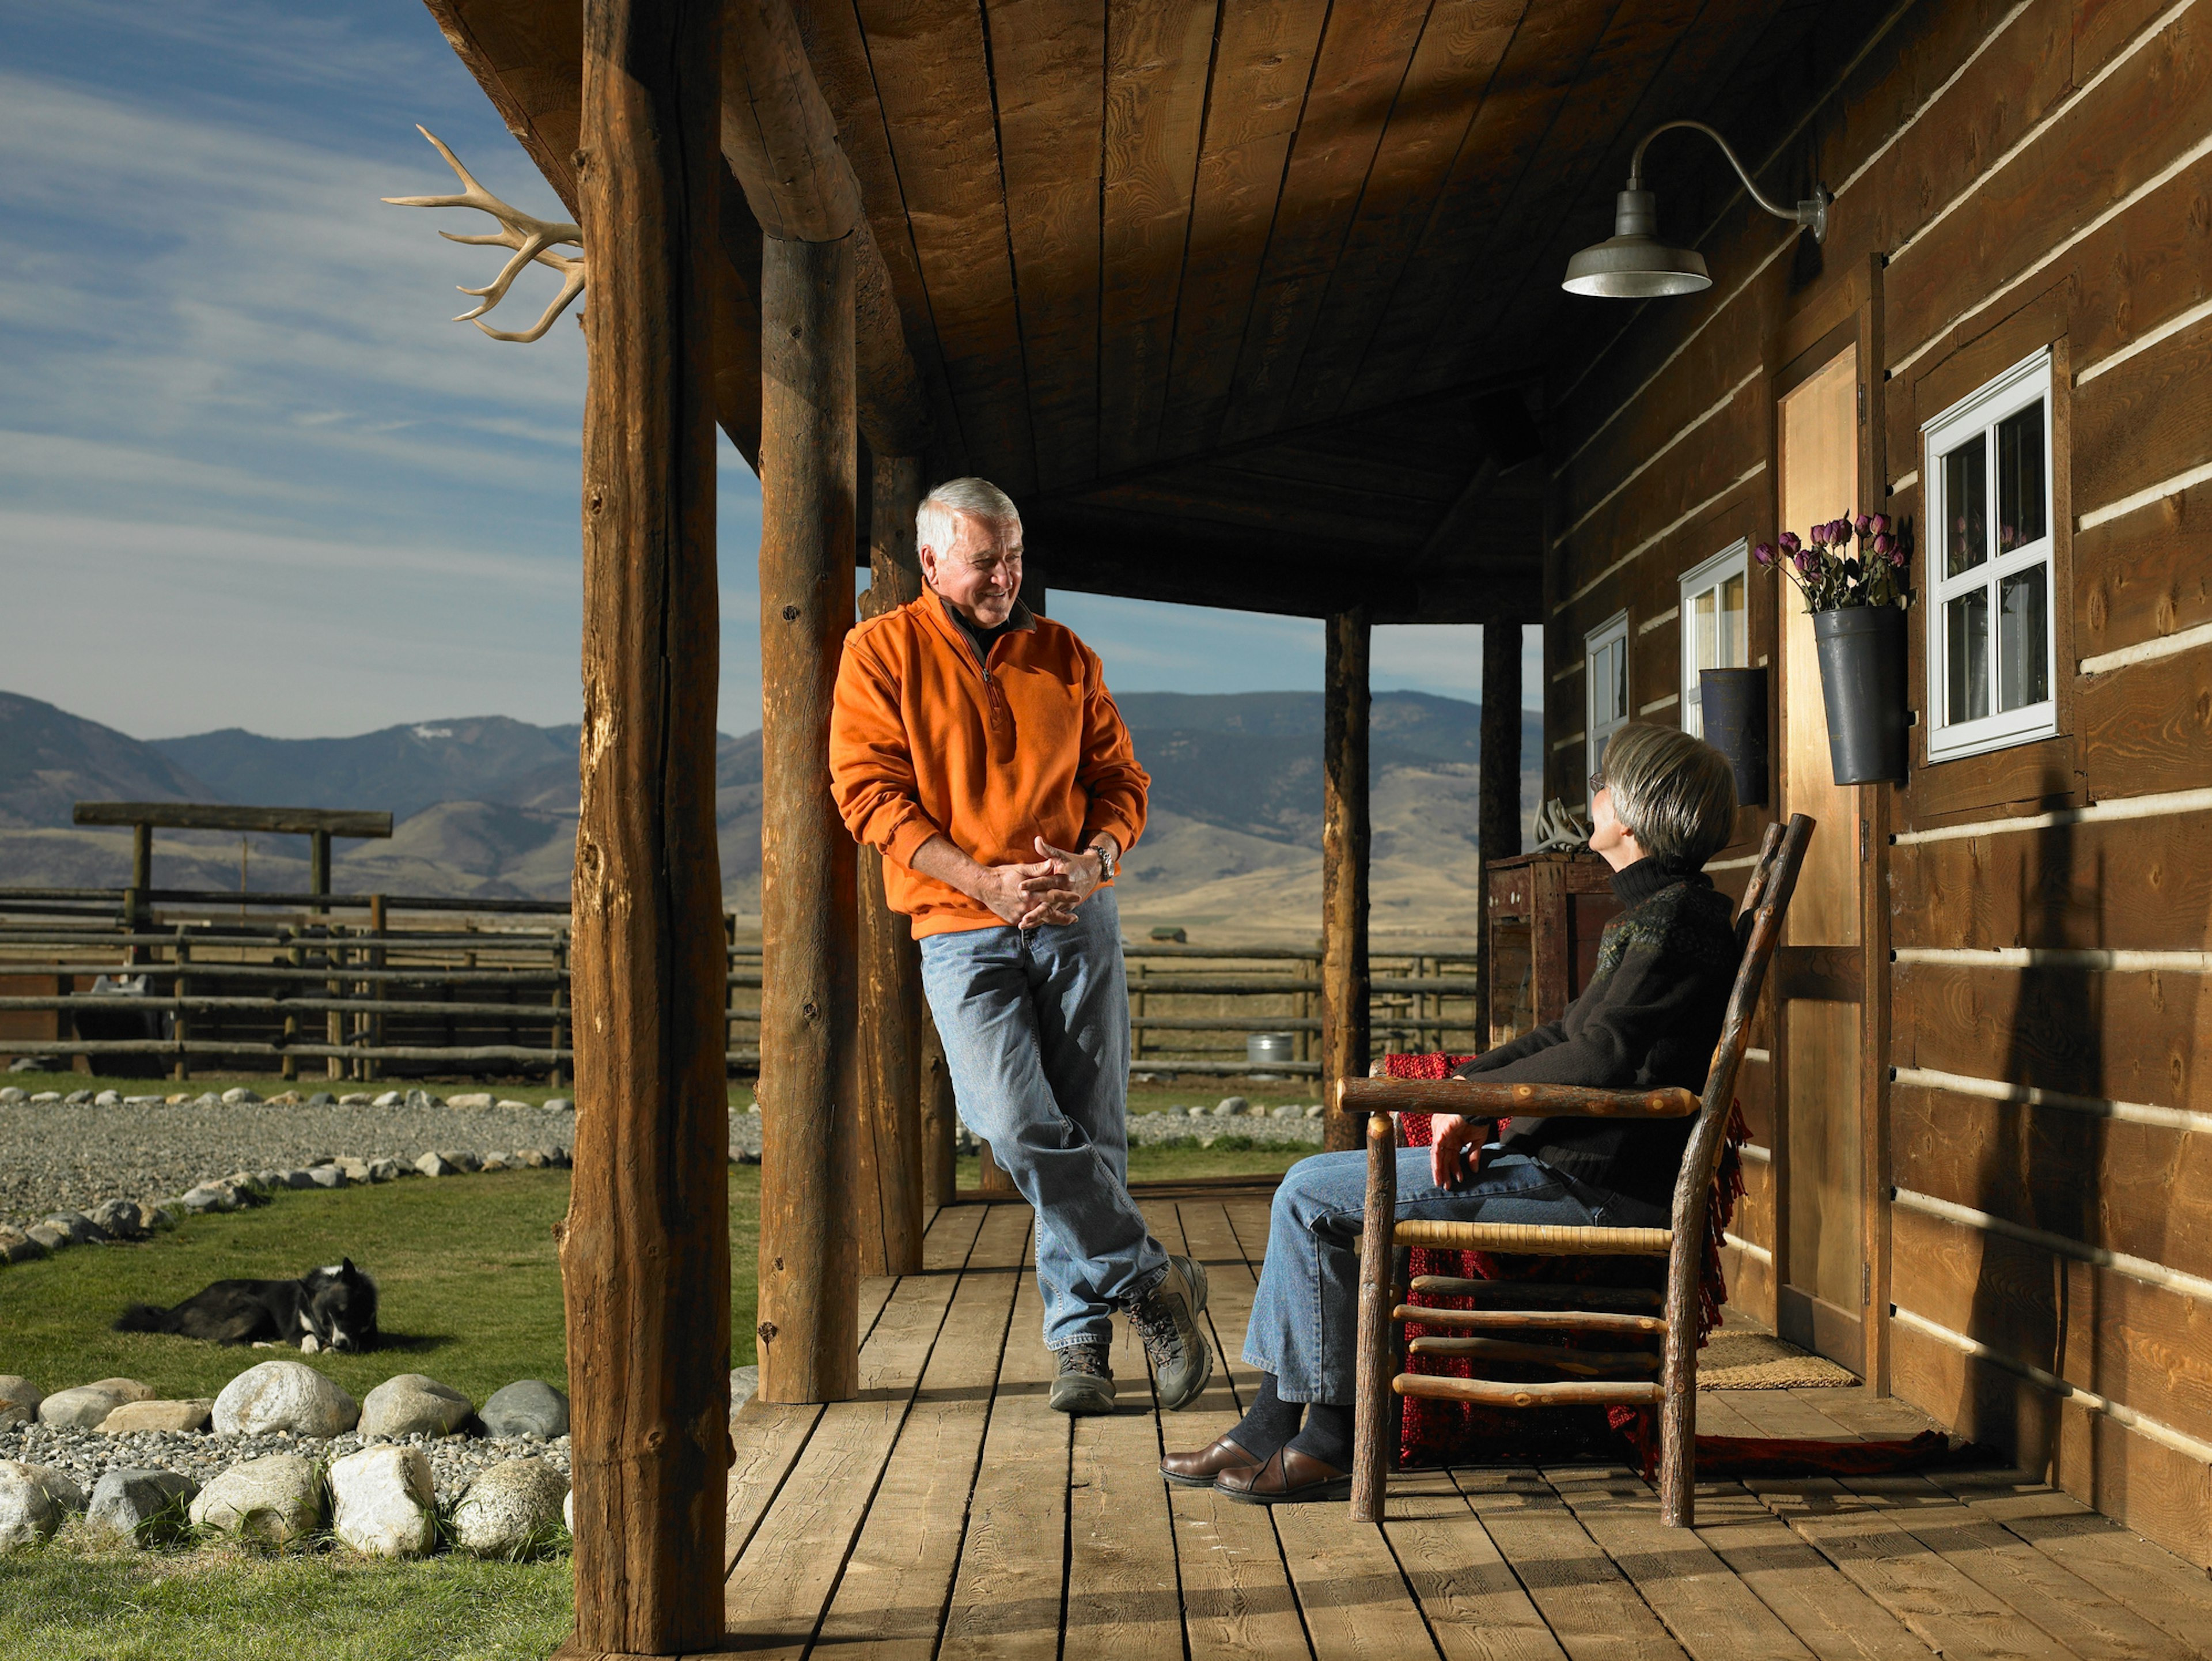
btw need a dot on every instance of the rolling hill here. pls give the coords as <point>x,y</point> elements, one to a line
<point>486,807</point>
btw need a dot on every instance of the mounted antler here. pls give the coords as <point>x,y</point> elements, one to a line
<point>530,239</point>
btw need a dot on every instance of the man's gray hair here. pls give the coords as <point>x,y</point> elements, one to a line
<point>1675,793</point>
<point>935,522</point>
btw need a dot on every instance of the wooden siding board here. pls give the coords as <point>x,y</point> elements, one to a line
<point>1444,86</point>
<point>1048,63</point>
<point>2145,576</point>
<point>1366,49</point>
<point>932,79</point>
<point>1158,53</point>
<point>2147,727</point>
<point>2132,1036</point>
<point>2140,885</point>
<point>1262,64</point>
<point>2146,422</point>
<point>2135,124</point>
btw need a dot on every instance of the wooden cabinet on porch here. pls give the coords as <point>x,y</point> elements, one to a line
<point>1547,914</point>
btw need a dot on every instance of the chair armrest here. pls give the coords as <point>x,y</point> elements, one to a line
<point>1480,1099</point>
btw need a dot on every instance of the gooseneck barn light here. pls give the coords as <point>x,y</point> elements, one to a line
<point>1633,263</point>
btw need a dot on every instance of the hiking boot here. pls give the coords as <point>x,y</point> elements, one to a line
<point>1082,1380</point>
<point>1166,1318</point>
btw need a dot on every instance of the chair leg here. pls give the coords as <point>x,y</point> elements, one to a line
<point>1370,1414</point>
<point>1677,1414</point>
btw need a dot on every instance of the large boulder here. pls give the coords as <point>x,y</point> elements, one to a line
<point>30,1510</point>
<point>529,1407</point>
<point>142,1506</point>
<point>511,1510</point>
<point>382,1502</point>
<point>88,1405</point>
<point>275,1500</point>
<point>17,1247</point>
<point>123,1219</point>
<point>19,1400</point>
<point>412,1404</point>
<point>283,1396</point>
<point>80,1229</point>
<point>133,1416</point>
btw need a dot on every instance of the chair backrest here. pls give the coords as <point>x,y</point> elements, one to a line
<point>1759,927</point>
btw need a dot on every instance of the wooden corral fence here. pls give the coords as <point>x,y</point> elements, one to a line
<point>483,986</point>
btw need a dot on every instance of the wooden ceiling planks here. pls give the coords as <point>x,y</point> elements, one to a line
<point>1048,66</point>
<point>1503,146</point>
<point>931,76</point>
<point>1159,57</point>
<point>1364,53</point>
<point>1262,64</point>
<point>1445,85</point>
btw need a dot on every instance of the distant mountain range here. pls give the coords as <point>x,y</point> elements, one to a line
<point>486,806</point>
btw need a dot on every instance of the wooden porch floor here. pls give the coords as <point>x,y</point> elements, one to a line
<point>948,1512</point>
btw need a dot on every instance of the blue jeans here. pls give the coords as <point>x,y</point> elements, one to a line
<point>1305,1316</point>
<point>1035,1025</point>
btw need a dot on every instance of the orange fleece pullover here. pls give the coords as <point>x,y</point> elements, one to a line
<point>926,739</point>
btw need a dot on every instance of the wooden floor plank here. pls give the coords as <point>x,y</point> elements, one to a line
<point>1476,1608</point>
<point>1858,1409</point>
<point>2174,1595</point>
<point>1007,1592</point>
<point>1593,1611</point>
<point>783,1579</point>
<point>1946,1610</point>
<point>2071,1609</point>
<point>891,1601</point>
<point>1827,1611</point>
<point>1238,1600</point>
<point>1123,1598</point>
<point>1711,1613</point>
<point>1249,1219</point>
<point>1719,1415</point>
<point>1781,1413</point>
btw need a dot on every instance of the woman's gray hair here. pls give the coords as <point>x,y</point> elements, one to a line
<point>1674,793</point>
<point>935,522</point>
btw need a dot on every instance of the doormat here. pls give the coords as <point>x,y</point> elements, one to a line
<point>1759,1360</point>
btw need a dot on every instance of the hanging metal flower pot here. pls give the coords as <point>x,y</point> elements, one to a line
<point>1863,684</point>
<point>1856,596</point>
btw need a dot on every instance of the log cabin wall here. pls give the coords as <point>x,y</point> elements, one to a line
<point>2036,1129</point>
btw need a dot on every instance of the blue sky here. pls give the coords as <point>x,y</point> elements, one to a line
<point>250,475</point>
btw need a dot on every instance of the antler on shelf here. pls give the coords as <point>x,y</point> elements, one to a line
<point>532,240</point>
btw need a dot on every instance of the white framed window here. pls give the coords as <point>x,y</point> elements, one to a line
<point>1605,673</point>
<point>1714,596</point>
<point>1992,629</point>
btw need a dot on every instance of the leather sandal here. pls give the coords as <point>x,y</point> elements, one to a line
<point>1198,1470</point>
<point>1288,1477</point>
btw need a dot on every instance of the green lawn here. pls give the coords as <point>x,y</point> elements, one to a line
<point>465,1267</point>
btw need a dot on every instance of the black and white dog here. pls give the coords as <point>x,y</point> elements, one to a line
<point>332,1308</point>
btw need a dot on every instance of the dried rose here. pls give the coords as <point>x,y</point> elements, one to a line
<point>1764,554</point>
<point>1880,522</point>
<point>1864,526</point>
<point>1790,544</point>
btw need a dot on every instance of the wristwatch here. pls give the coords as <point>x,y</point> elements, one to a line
<point>1109,859</point>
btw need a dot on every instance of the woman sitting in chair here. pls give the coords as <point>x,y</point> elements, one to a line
<point>1663,805</point>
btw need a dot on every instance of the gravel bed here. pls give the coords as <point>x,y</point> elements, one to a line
<point>58,1156</point>
<point>86,1454</point>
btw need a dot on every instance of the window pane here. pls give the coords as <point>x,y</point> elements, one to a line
<point>1965,499</point>
<point>2023,672</point>
<point>1735,641</point>
<point>1702,623</point>
<point>2020,480</point>
<point>1968,628</point>
<point>1619,652</point>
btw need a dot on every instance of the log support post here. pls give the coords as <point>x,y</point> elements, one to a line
<point>940,1120</point>
<point>645,1258</point>
<point>1344,842</point>
<point>318,866</point>
<point>1372,1450</point>
<point>891,1213</point>
<point>810,1118</point>
<point>1497,814</point>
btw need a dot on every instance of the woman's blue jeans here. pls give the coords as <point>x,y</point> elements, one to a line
<point>1305,1316</point>
<point>1036,1027</point>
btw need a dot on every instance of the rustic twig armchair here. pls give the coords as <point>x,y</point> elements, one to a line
<point>1675,1391</point>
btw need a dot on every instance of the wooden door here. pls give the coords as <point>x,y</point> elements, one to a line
<point>1822,1293</point>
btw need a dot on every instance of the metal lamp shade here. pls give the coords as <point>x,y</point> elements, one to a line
<point>1633,263</point>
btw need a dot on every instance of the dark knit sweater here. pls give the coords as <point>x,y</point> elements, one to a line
<point>1650,1017</point>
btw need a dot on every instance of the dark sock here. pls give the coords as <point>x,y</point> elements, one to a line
<point>1270,1422</point>
<point>1327,1434</point>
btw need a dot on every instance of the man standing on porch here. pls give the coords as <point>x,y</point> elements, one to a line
<point>974,744</point>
